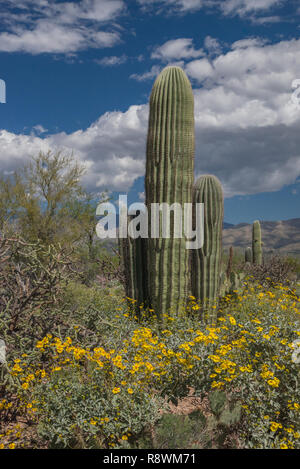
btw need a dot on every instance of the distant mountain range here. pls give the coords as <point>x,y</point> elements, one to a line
<point>227,225</point>
<point>282,236</point>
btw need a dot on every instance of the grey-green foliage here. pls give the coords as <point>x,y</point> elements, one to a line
<point>217,400</point>
<point>196,430</point>
<point>233,284</point>
<point>176,431</point>
<point>225,415</point>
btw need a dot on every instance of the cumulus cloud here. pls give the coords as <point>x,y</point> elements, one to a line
<point>212,45</point>
<point>39,129</point>
<point>249,42</point>
<point>247,126</point>
<point>246,121</point>
<point>155,70</point>
<point>42,26</point>
<point>112,148</point>
<point>250,160</point>
<point>252,84</point>
<point>176,49</point>
<point>200,69</point>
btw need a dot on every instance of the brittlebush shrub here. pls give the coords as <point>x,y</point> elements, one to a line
<point>107,395</point>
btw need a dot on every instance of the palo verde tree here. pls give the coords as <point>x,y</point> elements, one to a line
<point>37,197</point>
<point>51,181</point>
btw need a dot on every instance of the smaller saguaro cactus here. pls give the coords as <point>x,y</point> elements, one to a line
<point>230,261</point>
<point>206,261</point>
<point>133,256</point>
<point>256,243</point>
<point>248,254</point>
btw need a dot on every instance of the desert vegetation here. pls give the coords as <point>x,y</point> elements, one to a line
<point>144,344</point>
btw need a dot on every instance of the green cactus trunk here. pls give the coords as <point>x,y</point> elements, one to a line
<point>169,179</point>
<point>256,243</point>
<point>206,261</point>
<point>248,255</point>
<point>133,254</point>
<point>230,262</point>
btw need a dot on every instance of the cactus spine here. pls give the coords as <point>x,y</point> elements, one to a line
<point>248,255</point>
<point>169,179</point>
<point>256,243</point>
<point>206,261</point>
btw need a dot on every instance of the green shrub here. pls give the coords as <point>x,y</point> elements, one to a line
<point>128,369</point>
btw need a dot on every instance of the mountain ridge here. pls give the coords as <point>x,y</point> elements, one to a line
<point>281,235</point>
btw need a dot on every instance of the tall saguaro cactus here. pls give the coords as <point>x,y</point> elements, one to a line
<point>256,243</point>
<point>169,179</point>
<point>206,261</point>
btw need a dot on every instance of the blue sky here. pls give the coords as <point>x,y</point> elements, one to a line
<point>79,75</point>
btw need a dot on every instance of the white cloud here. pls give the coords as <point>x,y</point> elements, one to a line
<point>246,123</point>
<point>245,43</point>
<point>113,148</point>
<point>200,69</point>
<point>181,6</point>
<point>243,7</point>
<point>212,45</point>
<point>247,127</point>
<point>176,49</point>
<point>266,19</point>
<point>39,129</point>
<point>112,60</point>
<point>52,27</point>
<point>253,84</point>
<point>155,69</point>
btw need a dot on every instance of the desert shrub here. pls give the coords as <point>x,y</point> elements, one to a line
<point>31,283</point>
<point>237,259</point>
<point>107,394</point>
<point>275,270</point>
<point>98,264</point>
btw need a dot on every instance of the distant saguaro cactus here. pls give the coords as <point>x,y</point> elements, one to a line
<point>169,179</point>
<point>230,261</point>
<point>256,243</point>
<point>206,261</point>
<point>248,255</point>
